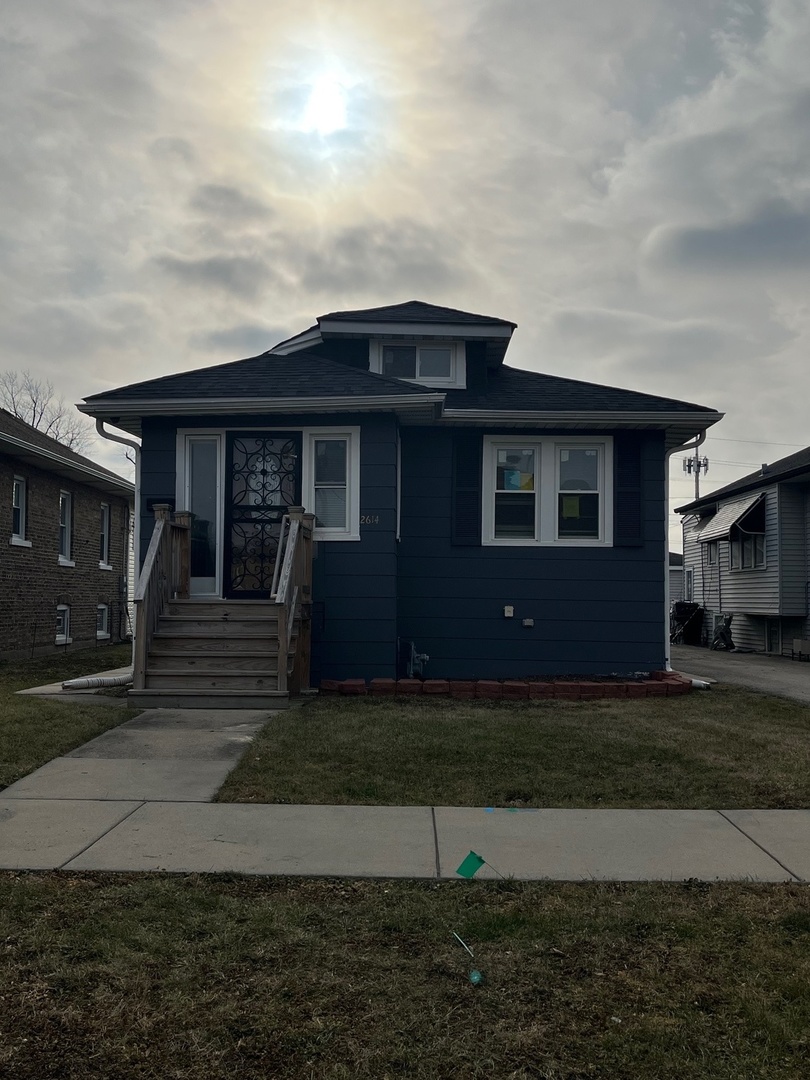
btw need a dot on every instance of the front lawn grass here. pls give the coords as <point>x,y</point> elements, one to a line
<point>723,748</point>
<point>127,977</point>
<point>32,730</point>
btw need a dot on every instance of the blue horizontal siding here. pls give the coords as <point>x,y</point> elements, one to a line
<point>596,610</point>
<point>550,613</point>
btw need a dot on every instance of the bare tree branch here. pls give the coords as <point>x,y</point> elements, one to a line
<point>36,403</point>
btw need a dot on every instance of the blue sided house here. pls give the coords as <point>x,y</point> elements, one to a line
<point>383,488</point>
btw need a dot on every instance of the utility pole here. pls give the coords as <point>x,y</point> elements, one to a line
<point>694,465</point>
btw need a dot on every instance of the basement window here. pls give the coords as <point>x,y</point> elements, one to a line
<point>102,622</point>
<point>63,625</point>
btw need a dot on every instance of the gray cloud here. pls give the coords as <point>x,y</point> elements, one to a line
<point>775,239</point>
<point>400,254</point>
<point>230,203</point>
<point>247,339</point>
<point>241,275</point>
<point>172,148</point>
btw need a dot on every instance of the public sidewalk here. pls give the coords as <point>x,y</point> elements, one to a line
<point>139,798</point>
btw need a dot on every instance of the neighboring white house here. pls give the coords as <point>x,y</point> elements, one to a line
<point>675,577</point>
<point>747,554</point>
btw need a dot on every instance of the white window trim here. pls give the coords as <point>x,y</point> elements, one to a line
<point>18,538</point>
<point>458,361</point>
<point>757,567</point>
<point>64,639</point>
<point>307,478</point>
<point>182,494</point>
<point>546,524</point>
<point>105,530</point>
<point>352,438</point>
<point>66,559</point>
<point>103,635</point>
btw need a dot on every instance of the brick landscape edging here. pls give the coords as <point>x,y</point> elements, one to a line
<point>659,684</point>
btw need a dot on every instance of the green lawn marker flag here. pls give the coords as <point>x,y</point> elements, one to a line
<point>470,865</point>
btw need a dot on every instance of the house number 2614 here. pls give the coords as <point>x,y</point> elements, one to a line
<point>369,519</point>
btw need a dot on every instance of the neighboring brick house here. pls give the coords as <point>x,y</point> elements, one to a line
<point>64,535</point>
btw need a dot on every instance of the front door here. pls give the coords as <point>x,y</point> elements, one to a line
<point>262,479</point>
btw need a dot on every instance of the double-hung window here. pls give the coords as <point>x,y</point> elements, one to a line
<point>747,550</point>
<point>65,527</point>
<point>104,538</point>
<point>547,491</point>
<point>332,483</point>
<point>19,512</point>
<point>516,508</point>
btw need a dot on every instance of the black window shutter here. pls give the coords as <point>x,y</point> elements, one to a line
<point>466,502</point>
<point>628,519</point>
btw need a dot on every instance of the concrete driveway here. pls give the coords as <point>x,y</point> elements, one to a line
<point>769,674</point>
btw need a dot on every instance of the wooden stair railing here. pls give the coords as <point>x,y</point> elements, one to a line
<point>292,592</point>
<point>164,577</point>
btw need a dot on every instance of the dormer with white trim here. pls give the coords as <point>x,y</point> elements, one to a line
<point>414,342</point>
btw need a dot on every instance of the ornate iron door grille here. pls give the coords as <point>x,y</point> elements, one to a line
<point>263,479</point>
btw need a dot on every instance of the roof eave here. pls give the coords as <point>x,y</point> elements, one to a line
<point>39,457</point>
<point>680,427</point>
<point>339,328</point>
<point>127,414</point>
<point>761,482</point>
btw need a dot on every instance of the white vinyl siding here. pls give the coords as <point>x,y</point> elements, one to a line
<point>793,500</point>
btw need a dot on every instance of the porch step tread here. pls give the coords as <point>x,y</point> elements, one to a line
<point>235,692</point>
<point>209,699</point>
<point>257,654</point>
<point>213,673</point>
<point>218,620</point>
<point>198,681</point>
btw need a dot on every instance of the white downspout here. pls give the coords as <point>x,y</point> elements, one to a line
<point>136,540</point>
<point>675,450</point>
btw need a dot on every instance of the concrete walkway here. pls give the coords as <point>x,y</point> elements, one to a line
<point>139,798</point>
<point>768,674</point>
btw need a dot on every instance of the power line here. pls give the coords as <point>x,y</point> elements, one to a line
<point>754,442</point>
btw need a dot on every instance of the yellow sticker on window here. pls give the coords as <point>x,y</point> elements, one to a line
<point>570,506</point>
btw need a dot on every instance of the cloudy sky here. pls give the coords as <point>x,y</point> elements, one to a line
<point>186,182</point>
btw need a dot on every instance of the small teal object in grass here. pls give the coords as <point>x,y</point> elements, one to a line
<point>476,978</point>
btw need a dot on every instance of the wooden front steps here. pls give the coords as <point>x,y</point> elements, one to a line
<point>214,654</point>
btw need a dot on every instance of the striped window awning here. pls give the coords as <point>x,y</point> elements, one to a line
<point>731,513</point>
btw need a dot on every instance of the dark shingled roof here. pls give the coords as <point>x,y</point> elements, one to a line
<point>514,390</point>
<point>300,375</point>
<point>415,311</point>
<point>18,429</point>
<point>785,468</point>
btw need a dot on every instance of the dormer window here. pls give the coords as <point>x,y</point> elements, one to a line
<point>430,363</point>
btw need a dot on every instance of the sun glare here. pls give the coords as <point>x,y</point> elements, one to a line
<point>325,110</point>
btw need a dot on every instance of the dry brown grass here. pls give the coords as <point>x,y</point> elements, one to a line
<point>33,731</point>
<point>726,748</point>
<point>132,977</point>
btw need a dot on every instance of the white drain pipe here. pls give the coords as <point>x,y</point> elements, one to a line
<point>93,682</point>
